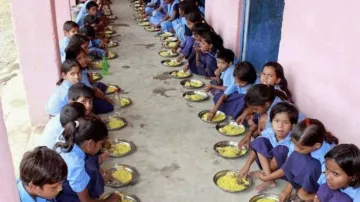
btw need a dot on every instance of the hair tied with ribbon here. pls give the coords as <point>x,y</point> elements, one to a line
<point>307,122</point>
<point>76,124</point>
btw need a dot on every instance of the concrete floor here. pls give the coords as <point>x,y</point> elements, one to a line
<point>175,156</point>
<point>174,148</point>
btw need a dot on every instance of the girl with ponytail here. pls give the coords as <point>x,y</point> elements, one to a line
<point>83,141</point>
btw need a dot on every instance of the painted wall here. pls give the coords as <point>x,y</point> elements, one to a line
<point>39,58</point>
<point>62,15</point>
<point>225,18</point>
<point>319,50</point>
<point>8,189</point>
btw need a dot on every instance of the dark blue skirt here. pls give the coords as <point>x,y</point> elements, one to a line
<point>95,186</point>
<point>264,147</point>
<point>101,106</point>
<point>215,91</point>
<point>233,105</point>
<point>328,195</point>
<point>302,171</point>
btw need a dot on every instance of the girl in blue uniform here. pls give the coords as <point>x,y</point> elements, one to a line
<point>94,44</point>
<point>273,74</point>
<point>79,40</point>
<point>157,15</point>
<point>231,102</point>
<point>83,140</point>
<point>54,127</point>
<point>271,148</point>
<point>172,16</point>
<point>71,74</point>
<point>342,175</point>
<point>224,74</point>
<point>42,172</point>
<point>150,7</point>
<point>180,28</point>
<point>102,104</point>
<point>259,100</point>
<point>305,166</point>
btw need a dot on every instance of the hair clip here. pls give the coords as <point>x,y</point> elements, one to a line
<point>307,122</point>
<point>76,124</point>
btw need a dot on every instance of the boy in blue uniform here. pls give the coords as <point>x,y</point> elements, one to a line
<point>42,172</point>
<point>91,9</point>
<point>70,29</point>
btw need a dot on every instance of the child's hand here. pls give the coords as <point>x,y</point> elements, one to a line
<point>316,199</point>
<point>262,177</point>
<point>103,156</point>
<point>109,100</point>
<point>244,142</point>
<point>113,198</point>
<point>217,72</point>
<point>208,87</point>
<point>210,115</point>
<point>180,58</point>
<point>286,193</point>
<point>186,68</point>
<point>243,172</point>
<point>241,119</point>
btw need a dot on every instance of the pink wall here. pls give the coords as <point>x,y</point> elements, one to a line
<point>8,189</point>
<point>37,43</point>
<point>320,50</point>
<point>225,18</point>
<point>62,15</point>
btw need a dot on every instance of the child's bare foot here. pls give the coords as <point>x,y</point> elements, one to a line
<point>255,174</point>
<point>265,186</point>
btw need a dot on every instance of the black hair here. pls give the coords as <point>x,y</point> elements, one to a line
<point>71,112</point>
<point>194,17</point>
<point>88,31</point>
<point>226,54</point>
<point>260,94</point>
<point>200,28</point>
<point>91,4</point>
<point>245,71</point>
<point>80,90</point>
<point>347,156</point>
<point>187,7</point>
<point>279,71</point>
<point>90,19</point>
<point>66,67</point>
<point>311,131</point>
<point>78,40</point>
<point>214,39</point>
<point>68,25</point>
<point>73,51</point>
<point>42,166</point>
<point>84,128</point>
<point>285,107</point>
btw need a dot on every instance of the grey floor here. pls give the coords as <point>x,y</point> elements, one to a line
<point>175,156</point>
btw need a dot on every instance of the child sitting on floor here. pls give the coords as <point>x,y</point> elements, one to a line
<point>71,74</point>
<point>70,29</point>
<point>342,175</point>
<point>91,9</point>
<point>95,49</point>
<point>158,14</point>
<point>102,104</point>
<point>305,166</point>
<point>273,74</point>
<point>150,7</point>
<point>225,72</point>
<point>83,140</point>
<point>180,28</point>
<point>270,150</point>
<point>42,172</point>
<point>231,102</point>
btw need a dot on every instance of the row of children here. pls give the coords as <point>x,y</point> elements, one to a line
<point>67,168</point>
<point>286,145</point>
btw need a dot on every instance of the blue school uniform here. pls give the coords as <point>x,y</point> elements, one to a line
<point>25,196</point>
<point>83,8</point>
<point>187,47</point>
<point>268,146</point>
<point>83,172</point>
<point>354,193</point>
<point>234,103</point>
<point>149,10</point>
<point>227,76</point>
<point>325,194</point>
<point>95,50</point>
<point>201,10</point>
<point>166,26</point>
<point>59,99</point>
<point>85,77</point>
<point>157,16</point>
<point>180,29</point>
<point>63,44</point>
<point>52,131</point>
<point>307,171</point>
<point>319,154</point>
